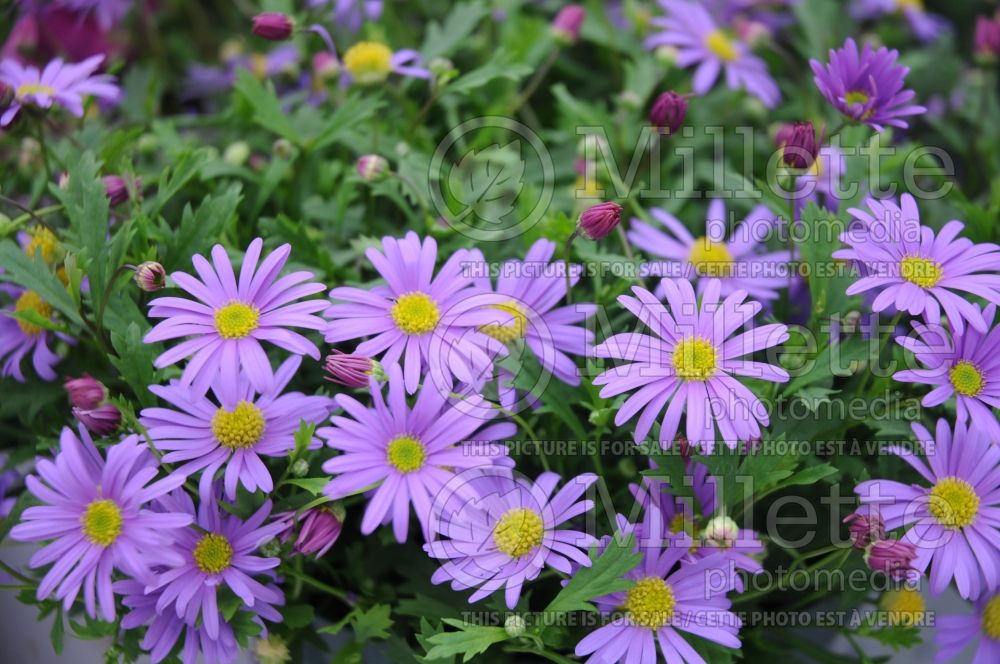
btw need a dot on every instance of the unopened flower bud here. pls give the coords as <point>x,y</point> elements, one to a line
<point>150,276</point>
<point>668,111</point>
<point>84,392</point>
<point>274,26</point>
<point>666,56</point>
<point>271,548</point>
<point>798,144</point>
<point>351,370</point>
<point>372,167</point>
<point>63,182</point>
<point>515,625</point>
<point>443,69</point>
<point>721,531</point>
<point>864,529</point>
<point>598,221</point>
<point>117,190</point>
<point>893,557</point>
<point>237,153</point>
<point>300,468</point>
<point>566,25</point>
<point>272,650</point>
<point>283,149</point>
<point>102,421</point>
<point>325,65</point>
<point>987,39</point>
<point>319,529</point>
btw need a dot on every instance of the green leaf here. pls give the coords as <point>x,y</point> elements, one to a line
<point>487,182</point>
<point>442,40</point>
<point>498,68</point>
<point>134,361</point>
<point>469,641</point>
<point>199,227</point>
<point>604,576</point>
<point>373,623</point>
<point>58,632</point>
<point>297,616</point>
<point>313,485</point>
<point>173,178</point>
<point>266,108</point>
<point>86,206</point>
<point>355,110</point>
<point>35,275</point>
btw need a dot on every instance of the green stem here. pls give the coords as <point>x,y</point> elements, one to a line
<point>881,349</point>
<point>535,81</point>
<point>566,265</point>
<point>105,296</point>
<point>29,213</point>
<point>317,584</point>
<point>533,436</point>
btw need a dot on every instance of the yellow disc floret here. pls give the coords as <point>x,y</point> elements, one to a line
<point>650,603</point>
<point>695,358</point>
<point>722,46</point>
<point>26,89</point>
<point>991,618</point>
<point>213,553</point>
<point>953,502</point>
<point>32,301</point>
<point>101,522</point>
<point>240,427</point>
<point>966,378</point>
<point>43,243</point>
<point>368,62</point>
<point>519,531</point>
<point>857,97</point>
<point>415,313</point>
<point>511,331</point>
<point>710,259</point>
<point>406,454</point>
<point>920,271</point>
<point>902,607</point>
<point>236,320</point>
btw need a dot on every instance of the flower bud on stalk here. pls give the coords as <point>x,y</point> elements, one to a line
<point>102,421</point>
<point>893,557</point>
<point>117,189</point>
<point>986,40</point>
<point>566,24</point>
<point>799,144</point>
<point>84,392</point>
<point>274,26</point>
<point>668,111</point>
<point>150,276</point>
<point>598,221</point>
<point>721,531</point>
<point>371,167</point>
<point>864,529</point>
<point>319,529</point>
<point>351,370</point>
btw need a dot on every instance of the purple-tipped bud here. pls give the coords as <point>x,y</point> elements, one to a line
<point>371,167</point>
<point>987,38</point>
<point>325,65</point>
<point>84,392</point>
<point>150,276</point>
<point>351,370</point>
<point>566,24</point>
<point>101,421</point>
<point>799,144</point>
<point>117,189</point>
<point>319,531</point>
<point>598,221</point>
<point>893,557</point>
<point>668,111</point>
<point>273,25</point>
<point>864,529</point>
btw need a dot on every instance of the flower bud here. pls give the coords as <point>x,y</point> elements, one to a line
<point>237,153</point>
<point>986,40</point>
<point>598,221</point>
<point>300,468</point>
<point>566,24</point>
<point>351,370</point>
<point>893,557</point>
<point>319,529</point>
<point>668,111</point>
<point>273,25</point>
<point>272,650</point>
<point>272,547</point>
<point>798,144</point>
<point>372,167</point>
<point>515,625</point>
<point>101,421</point>
<point>666,56</point>
<point>721,531</point>
<point>116,188</point>
<point>325,65</point>
<point>84,392</point>
<point>150,276</point>
<point>864,529</point>
<point>283,149</point>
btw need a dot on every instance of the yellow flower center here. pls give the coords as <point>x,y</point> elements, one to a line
<point>966,378</point>
<point>26,89</point>
<point>213,553</point>
<point>920,271</point>
<point>991,618</point>
<point>258,66</point>
<point>44,243</point>
<point>695,358</point>
<point>902,607</point>
<point>710,259</point>
<point>406,454</point>
<point>856,97</point>
<point>902,5</point>
<point>32,301</point>
<point>953,502</point>
<point>721,45</point>
<point>240,427</point>
<point>368,62</point>
<point>511,331</point>
<point>101,522</point>
<point>650,603</point>
<point>236,320</point>
<point>519,531</point>
<point>415,313</point>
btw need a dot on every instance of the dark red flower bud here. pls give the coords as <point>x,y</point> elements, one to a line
<point>987,38</point>
<point>117,188</point>
<point>273,25</point>
<point>598,221</point>
<point>84,392</point>
<point>864,529</point>
<point>668,111</point>
<point>101,421</point>
<point>799,144</point>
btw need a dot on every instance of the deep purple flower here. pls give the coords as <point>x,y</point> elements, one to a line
<point>866,86</point>
<point>494,530</point>
<point>599,220</point>
<point>916,270</point>
<point>668,111</point>
<point>799,144</point>
<point>690,28</point>
<point>318,529</point>
<point>227,326</point>
<point>85,392</point>
<point>61,83</point>
<point>117,188</point>
<point>926,26</point>
<point>408,453</point>
<point>101,421</point>
<point>987,38</point>
<point>953,634</point>
<point>566,25</point>
<point>274,26</point>
<point>954,524</point>
<point>95,513</point>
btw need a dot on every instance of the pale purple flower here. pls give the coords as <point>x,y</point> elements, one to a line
<point>739,263</point>
<point>95,513</point>
<point>108,13</point>
<point>351,13</point>
<point>408,453</point>
<point>916,270</point>
<point>235,429</point>
<point>955,523</point>
<point>965,366</point>
<point>204,80</point>
<point>496,530</point>
<point>226,326</point>
<point>21,338</point>
<point>691,364</point>
<point>926,26</point>
<point>690,28</point>
<point>952,634</point>
<point>65,84</point>
<point>866,85</point>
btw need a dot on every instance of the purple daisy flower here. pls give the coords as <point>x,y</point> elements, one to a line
<point>424,320</point>
<point>737,263</point>
<point>691,362</point>
<point>231,320</point>
<point>351,13</point>
<point>218,551</point>
<point>407,453</point>
<point>690,28</point>
<point>866,86</point>
<point>669,595</point>
<point>954,524</point>
<point>495,530</point>
<point>204,80</point>
<point>95,512</point>
<point>235,430</point>
<point>20,338</point>
<point>371,62</point>
<point>960,365</point>
<point>926,26</point>
<point>917,270</point>
<point>953,633</point>
<point>63,83</point>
